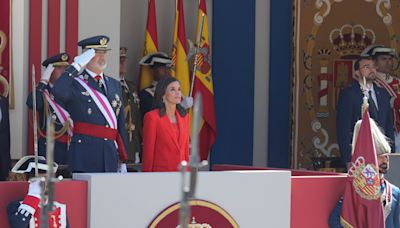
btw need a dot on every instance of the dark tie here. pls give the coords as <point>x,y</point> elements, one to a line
<point>100,83</point>
<point>373,110</point>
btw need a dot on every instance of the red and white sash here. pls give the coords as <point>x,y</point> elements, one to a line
<point>60,112</point>
<point>101,101</point>
<point>383,84</point>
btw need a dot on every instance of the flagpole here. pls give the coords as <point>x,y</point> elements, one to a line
<point>189,179</point>
<point>365,104</point>
<point>198,41</point>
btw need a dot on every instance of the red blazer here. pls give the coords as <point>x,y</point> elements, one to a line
<point>162,150</point>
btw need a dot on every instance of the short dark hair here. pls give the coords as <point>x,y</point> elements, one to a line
<point>161,88</point>
<point>357,63</point>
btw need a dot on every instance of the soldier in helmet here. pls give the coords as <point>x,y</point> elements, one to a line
<point>47,105</point>
<point>133,117</point>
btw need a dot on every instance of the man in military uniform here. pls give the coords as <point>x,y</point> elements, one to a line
<point>26,212</point>
<point>94,101</point>
<point>46,105</point>
<point>160,64</point>
<point>383,58</point>
<point>133,117</point>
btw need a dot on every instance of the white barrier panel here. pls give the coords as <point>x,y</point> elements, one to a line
<point>252,198</point>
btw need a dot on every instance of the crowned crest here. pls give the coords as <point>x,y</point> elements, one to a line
<point>194,224</point>
<point>103,41</point>
<point>365,179</point>
<point>350,40</point>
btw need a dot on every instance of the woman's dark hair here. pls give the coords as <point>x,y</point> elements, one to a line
<point>161,88</point>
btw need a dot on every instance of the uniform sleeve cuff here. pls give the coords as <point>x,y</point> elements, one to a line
<point>76,66</point>
<point>30,203</point>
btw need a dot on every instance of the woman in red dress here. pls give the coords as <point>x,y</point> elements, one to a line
<point>166,129</point>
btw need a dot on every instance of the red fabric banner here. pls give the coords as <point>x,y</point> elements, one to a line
<point>362,205</point>
<point>5,46</point>
<point>150,45</point>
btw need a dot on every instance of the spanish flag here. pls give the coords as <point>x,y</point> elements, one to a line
<point>203,83</point>
<point>150,45</point>
<point>180,65</point>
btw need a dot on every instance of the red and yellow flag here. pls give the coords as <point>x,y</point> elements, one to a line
<point>180,65</point>
<point>362,205</point>
<point>203,83</point>
<point>150,45</point>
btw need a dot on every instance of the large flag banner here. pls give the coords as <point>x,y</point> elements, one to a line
<point>362,205</point>
<point>203,83</point>
<point>150,45</point>
<point>5,47</point>
<point>180,65</point>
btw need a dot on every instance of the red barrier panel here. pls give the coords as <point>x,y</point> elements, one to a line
<point>314,194</point>
<point>313,199</point>
<point>71,193</point>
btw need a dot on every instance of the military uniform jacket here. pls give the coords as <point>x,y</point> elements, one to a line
<point>60,148</point>
<point>146,99</point>
<point>133,119</point>
<point>88,153</point>
<point>392,85</point>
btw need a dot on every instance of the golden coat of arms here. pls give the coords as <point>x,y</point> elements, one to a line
<point>366,181</point>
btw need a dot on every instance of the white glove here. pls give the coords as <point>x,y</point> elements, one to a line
<point>137,158</point>
<point>187,102</point>
<point>122,168</point>
<point>47,73</point>
<point>83,59</point>
<point>35,188</point>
